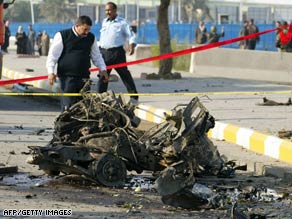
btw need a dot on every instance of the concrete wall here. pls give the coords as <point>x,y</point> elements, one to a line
<point>235,63</point>
<point>243,64</point>
<point>142,51</point>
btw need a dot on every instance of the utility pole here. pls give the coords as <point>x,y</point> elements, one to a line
<point>32,12</point>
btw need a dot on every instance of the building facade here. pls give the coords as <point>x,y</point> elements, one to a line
<point>221,11</point>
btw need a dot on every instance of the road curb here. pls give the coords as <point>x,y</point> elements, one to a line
<point>247,138</point>
<point>41,84</point>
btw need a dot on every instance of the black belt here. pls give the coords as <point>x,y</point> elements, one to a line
<point>113,48</point>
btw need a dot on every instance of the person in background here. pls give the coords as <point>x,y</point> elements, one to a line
<point>73,50</point>
<point>243,32</point>
<point>252,29</point>
<point>39,42</point>
<point>6,37</point>
<point>201,33</point>
<point>21,41</point>
<point>31,40</point>
<point>114,32</point>
<point>285,35</point>
<point>45,43</point>
<point>213,36</point>
<point>278,40</point>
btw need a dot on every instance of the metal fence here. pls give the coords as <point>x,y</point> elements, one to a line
<point>147,33</point>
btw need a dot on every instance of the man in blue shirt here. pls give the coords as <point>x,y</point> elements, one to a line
<point>114,32</point>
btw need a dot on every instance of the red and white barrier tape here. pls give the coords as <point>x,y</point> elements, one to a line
<point>154,58</point>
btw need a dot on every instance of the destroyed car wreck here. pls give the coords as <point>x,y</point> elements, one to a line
<point>98,138</point>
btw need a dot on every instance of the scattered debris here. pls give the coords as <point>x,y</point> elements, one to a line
<point>24,180</point>
<point>268,102</point>
<point>18,126</point>
<point>140,183</point>
<point>22,88</point>
<point>29,196</point>
<point>182,90</point>
<point>12,152</point>
<point>42,132</point>
<point>285,134</point>
<point>29,70</point>
<point>8,169</point>
<point>38,132</point>
<point>98,138</point>
<point>169,76</point>
<point>146,85</point>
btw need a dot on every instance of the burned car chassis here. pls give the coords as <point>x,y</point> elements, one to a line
<point>98,138</point>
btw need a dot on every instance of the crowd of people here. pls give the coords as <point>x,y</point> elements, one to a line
<point>283,36</point>
<point>26,43</point>
<point>249,28</point>
<point>203,37</point>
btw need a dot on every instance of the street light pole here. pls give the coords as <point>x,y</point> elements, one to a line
<point>32,12</point>
<point>138,17</point>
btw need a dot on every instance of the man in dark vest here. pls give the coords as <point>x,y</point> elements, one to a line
<point>73,49</point>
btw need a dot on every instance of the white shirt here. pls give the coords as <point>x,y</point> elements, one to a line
<point>57,48</point>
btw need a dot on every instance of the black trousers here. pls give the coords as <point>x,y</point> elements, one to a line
<point>252,44</point>
<point>116,56</point>
<point>70,84</point>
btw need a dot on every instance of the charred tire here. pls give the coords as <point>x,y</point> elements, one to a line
<point>109,170</point>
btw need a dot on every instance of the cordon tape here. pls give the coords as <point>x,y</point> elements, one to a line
<point>154,58</point>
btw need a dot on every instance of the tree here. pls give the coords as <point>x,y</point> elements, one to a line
<point>164,38</point>
<point>195,10</point>
<point>57,11</point>
<point>19,12</point>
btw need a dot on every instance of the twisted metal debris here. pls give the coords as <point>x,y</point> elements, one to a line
<point>98,138</point>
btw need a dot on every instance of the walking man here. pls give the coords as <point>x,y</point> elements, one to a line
<point>72,50</point>
<point>201,33</point>
<point>31,40</point>
<point>252,29</point>
<point>114,32</point>
<point>244,32</point>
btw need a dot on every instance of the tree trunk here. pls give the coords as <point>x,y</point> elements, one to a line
<point>164,37</point>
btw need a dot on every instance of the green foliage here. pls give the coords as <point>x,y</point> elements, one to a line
<point>45,11</point>
<point>18,12</point>
<point>181,63</point>
<point>57,11</point>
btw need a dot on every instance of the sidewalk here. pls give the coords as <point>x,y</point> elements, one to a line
<point>238,119</point>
